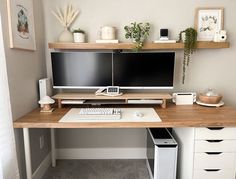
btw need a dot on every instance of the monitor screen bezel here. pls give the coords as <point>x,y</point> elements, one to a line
<point>150,87</point>
<point>74,86</point>
<point>122,87</point>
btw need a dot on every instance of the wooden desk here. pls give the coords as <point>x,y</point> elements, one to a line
<point>173,116</point>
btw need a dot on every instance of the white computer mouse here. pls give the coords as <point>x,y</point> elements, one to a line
<point>138,114</point>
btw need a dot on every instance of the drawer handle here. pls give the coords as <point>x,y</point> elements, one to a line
<point>214,141</point>
<point>212,170</point>
<point>213,153</point>
<point>215,128</point>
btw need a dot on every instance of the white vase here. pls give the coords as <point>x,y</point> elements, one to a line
<point>183,37</point>
<point>79,37</point>
<point>66,36</point>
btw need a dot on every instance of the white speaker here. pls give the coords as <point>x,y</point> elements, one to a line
<point>45,87</point>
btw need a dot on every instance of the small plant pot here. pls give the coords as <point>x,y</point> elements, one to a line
<point>79,37</point>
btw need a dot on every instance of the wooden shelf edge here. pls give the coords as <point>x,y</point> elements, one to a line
<point>212,45</point>
<point>129,46</point>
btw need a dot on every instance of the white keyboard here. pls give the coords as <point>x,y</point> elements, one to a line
<point>100,113</point>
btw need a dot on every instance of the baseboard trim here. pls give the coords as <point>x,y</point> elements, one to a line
<point>102,153</point>
<point>44,165</point>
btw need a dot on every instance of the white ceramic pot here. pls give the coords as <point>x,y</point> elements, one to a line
<point>79,37</point>
<point>66,36</point>
<point>183,36</point>
<point>108,33</point>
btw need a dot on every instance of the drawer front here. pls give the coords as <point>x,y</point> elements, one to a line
<point>215,133</point>
<point>214,174</point>
<point>215,161</point>
<point>215,145</point>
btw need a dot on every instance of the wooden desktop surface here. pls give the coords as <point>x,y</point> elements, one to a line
<point>172,116</point>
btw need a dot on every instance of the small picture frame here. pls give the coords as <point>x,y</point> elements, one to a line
<point>208,21</point>
<point>21,24</point>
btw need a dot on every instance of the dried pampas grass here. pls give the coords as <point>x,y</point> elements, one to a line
<point>66,15</point>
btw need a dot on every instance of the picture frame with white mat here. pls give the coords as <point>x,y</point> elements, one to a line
<point>21,24</point>
<point>208,21</point>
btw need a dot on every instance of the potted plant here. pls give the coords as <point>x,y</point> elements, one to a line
<point>138,32</point>
<point>189,38</point>
<point>79,36</point>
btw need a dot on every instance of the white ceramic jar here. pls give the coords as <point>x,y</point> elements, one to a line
<point>108,33</point>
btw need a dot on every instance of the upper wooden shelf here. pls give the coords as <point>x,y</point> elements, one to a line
<point>128,46</point>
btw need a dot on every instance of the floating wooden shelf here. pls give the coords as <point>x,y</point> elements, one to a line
<point>128,46</point>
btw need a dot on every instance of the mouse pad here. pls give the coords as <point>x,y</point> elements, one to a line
<point>127,115</point>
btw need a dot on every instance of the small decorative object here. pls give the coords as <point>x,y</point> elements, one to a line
<point>66,16</point>
<point>208,21</point>
<point>220,36</point>
<point>210,97</point>
<point>164,34</point>
<point>79,36</point>
<point>107,33</point>
<point>184,98</point>
<point>190,44</point>
<point>138,32</point>
<point>21,24</point>
<point>46,103</point>
<point>164,37</point>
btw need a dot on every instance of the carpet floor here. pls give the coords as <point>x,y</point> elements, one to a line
<point>98,169</point>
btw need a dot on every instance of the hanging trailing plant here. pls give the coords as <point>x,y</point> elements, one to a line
<point>138,32</point>
<point>190,44</point>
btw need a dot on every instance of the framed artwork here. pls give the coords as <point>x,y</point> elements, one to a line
<point>208,21</point>
<point>21,24</point>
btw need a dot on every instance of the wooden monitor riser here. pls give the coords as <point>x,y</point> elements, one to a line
<point>127,96</point>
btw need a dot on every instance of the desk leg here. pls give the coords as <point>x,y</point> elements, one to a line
<point>27,153</point>
<point>53,147</point>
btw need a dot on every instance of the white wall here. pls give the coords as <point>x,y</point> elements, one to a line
<point>208,68</point>
<point>24,69</point>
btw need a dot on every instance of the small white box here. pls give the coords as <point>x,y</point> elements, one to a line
<point>184,98</point>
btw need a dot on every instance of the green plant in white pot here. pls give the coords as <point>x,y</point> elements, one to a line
<point>79,36</point>
<point>138,32</point>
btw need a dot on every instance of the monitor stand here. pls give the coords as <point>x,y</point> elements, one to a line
<point>127,98</point>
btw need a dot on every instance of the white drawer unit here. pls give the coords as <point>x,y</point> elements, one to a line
<point>213,174</point>
<point>215,133</point>
<point>214,160</point>
<point>206,153</point>
<point>215,146</point>
<point>215,153</point>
